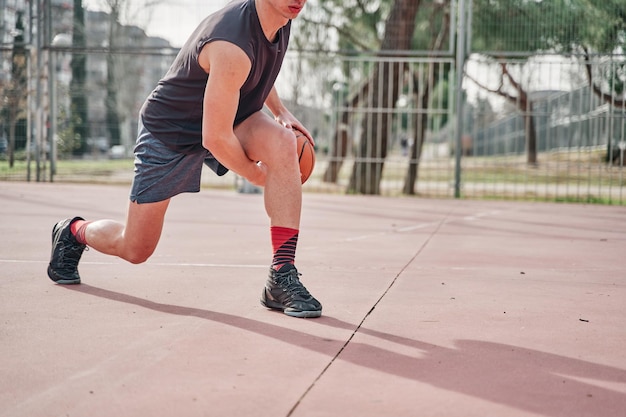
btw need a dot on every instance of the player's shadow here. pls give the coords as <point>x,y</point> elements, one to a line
<point>525,379</point>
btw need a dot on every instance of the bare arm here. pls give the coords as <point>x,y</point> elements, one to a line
<point>229,67</point>
<point>284,116</point>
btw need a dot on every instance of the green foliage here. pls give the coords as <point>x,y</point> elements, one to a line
<point>605,30</point>
<point>440,100</point>
<point>359,25</point>
<point>616,75</point>
<point>583,28</point>
<point>68,142</point>
<point>429,23</point>
<point>555,26</point>
<point>355,25</point>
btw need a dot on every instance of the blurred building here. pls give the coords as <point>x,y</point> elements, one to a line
<point>137,62</point>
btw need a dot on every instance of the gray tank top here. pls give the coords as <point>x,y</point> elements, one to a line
<point>173,111</point>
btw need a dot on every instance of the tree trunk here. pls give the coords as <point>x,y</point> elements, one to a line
<point>112,116</point>
<point>384,92</point>
<point>418,144</point>
<point>339,149</point>
<point>77,85</point>
<point>525,106</point>
<point>530,132</point>
<point>11,144</point>
<point>341,138</point>
<point>18,87</point>
<point>376,127</point>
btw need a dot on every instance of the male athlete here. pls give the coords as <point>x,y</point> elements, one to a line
<point>208,109</point>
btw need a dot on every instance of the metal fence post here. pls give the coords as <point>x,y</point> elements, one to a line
<point>459,67</point>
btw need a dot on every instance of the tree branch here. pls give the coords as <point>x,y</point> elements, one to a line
<point>438,40</point>
<point>499,91</point>
<point>341,31</point>
<point>606,97</point>
<point>522,96</point>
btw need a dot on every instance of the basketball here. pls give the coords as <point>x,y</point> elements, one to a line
<point>306,156</point>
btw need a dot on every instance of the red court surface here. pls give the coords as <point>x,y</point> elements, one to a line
<point>431,308</point>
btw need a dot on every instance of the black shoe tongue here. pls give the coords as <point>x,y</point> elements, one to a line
<point>286,268</point>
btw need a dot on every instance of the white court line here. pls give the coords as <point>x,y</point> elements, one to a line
<point>400,230</point>
<point>416,227</point>
<point>205,265</point>
<point>423,225</point>
<point>199,265</point>
<point>479,215</point>
<point>349,239</point>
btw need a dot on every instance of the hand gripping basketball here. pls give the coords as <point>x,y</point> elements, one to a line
<point>306,156</point>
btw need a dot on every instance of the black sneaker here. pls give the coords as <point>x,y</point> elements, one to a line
<point>284,291</point>
<point>66,252</point>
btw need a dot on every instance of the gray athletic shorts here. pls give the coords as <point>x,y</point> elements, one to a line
<point>162,173</point>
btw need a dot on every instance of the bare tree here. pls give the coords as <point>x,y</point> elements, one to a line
<point>422,92</point>
<point>79,111</point>
<point>557,26</point>
<point>385,88</point>
<point>15,105</point>
<point>123,69</point>
<point>521,100</point>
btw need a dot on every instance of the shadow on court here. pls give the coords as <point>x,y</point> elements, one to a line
<point>431,308</point>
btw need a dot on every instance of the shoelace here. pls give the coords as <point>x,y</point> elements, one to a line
<point>72,254</point>
<point>290,282</point>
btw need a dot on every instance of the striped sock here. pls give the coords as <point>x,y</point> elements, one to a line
<point>284,242</point>
<point>78,229</point>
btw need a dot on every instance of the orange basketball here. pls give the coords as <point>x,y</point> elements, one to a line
<point>306,156</point>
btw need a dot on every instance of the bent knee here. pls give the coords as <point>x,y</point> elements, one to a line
<point>136,260</point>
<point>138,256</point>
<point>283,148</point>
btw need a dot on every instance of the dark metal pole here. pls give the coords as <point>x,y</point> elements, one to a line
<point>460,65</point>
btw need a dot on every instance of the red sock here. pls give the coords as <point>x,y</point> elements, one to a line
<point>284,242</point>
<point>78,229</point>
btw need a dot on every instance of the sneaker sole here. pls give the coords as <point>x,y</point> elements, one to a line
<point>303,314</point>
<point>68,281</point>
<point>62,281</point>
<point>307,314</point>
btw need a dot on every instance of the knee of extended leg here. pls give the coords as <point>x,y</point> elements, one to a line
<point>138,257</point>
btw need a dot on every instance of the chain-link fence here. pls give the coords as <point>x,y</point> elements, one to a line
<point>525,122</point>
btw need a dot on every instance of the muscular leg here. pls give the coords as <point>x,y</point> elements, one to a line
<point>265,140</point>
<point>136,240</point>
